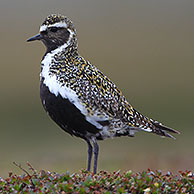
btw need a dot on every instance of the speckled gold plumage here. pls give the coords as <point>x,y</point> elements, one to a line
<point>97,92</point>
<point>79,97</point>
<point>53,18</point>
<point>56,18</point>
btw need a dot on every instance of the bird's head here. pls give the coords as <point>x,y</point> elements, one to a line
<point>56,30</point>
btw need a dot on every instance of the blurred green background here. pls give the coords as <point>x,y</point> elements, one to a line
<point>145,47</point>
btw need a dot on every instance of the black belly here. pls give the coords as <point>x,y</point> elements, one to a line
<point>65,114</point>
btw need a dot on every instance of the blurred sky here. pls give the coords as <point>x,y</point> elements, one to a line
<point>145,47</point>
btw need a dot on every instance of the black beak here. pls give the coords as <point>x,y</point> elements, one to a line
<point>36,37</point>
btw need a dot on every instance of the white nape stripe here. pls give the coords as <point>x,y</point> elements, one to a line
<point>59,24</point>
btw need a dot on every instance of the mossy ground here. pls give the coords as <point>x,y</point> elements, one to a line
<point>146,182</point>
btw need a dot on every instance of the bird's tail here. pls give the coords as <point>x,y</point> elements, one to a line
<point>162,130</point>
<point>145,124</point>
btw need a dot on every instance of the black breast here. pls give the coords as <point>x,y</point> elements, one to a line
<point>65,114</point>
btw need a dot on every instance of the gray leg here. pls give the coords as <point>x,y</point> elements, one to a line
<point>89,155</point>
<point>96,149</point>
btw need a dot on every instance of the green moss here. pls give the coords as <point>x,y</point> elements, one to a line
<point>104,182</point>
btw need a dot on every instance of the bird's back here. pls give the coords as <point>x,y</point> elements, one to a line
<point>79,97</point>
<point>96,98</point>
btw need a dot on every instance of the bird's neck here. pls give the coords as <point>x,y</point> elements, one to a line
<point>60,53</point>
<point>68,49</point>
<point>69,46</point>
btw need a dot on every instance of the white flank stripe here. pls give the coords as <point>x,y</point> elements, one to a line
<point>56,88</point>
<point>147,129</point>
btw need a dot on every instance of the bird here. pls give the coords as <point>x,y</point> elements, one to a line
<point>79,97</point>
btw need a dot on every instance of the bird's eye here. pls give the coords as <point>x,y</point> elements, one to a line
<point>53,29</point>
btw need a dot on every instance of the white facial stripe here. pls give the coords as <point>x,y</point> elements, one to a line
<point>43,28</point>
<point>59,24</point>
